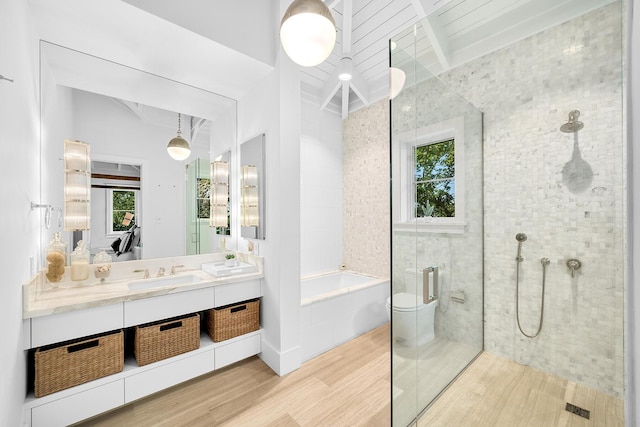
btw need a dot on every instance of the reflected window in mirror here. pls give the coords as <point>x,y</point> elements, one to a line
<point>122,209</point>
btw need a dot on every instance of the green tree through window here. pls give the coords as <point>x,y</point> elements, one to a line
<point>434,180</point>
<point>123,202</point>
<point>204,198</point>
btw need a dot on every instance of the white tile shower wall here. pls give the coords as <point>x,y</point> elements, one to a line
<point>366,212</point>
<point>458,256</point>
<point>526,91</point>
<point>320,190</point>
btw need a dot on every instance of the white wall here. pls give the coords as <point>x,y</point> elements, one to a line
<point>20,184</point>
<point>273,108</point>
<point>321,247</point>
<point>239,25</point>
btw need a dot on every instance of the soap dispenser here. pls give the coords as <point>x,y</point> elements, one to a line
<point>80,262</point>
<point>56,255</point>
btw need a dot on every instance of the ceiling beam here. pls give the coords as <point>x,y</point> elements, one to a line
<point>345,100</point>
<point>435,32</point>
<point>331,86</point>
<point>331,4</point>
<point>438,38</point>
<point>360,87</point>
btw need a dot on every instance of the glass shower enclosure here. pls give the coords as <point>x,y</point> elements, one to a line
<point>508,174</point>
<point>437,235</point>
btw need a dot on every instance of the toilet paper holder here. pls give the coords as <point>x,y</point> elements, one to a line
<point>427,295</point>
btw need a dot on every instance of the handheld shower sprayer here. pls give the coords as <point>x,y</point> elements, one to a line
<point>520,237</point>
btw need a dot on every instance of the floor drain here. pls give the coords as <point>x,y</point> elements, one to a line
<point>577,410</point>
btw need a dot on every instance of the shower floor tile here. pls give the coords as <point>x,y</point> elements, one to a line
<point>494,391</point>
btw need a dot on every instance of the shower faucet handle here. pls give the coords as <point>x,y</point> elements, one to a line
<point>573,265</point>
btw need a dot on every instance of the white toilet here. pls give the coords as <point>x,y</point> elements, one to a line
<point>407,330</point>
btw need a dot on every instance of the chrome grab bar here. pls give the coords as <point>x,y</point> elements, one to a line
<point>426,294</point>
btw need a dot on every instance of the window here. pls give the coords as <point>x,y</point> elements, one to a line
<point>119,202</point>
<point>434,180</point>
<point>431,178</point>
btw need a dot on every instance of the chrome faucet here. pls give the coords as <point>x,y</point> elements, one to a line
<point>146,272</point>
<point>173,268</point>
<point>160,272</point>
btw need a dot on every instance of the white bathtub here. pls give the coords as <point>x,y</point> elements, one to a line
<point>339,306</point>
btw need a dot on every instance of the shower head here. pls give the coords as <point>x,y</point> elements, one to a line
<point>521,237</point>
<point>573,125</point>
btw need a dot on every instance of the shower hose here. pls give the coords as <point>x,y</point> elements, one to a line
<point>545,262</point>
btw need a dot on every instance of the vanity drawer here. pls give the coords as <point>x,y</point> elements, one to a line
<point>148,310</point>
<point>75,324</point>
<point>77,407</point>
<point>235,292</point>
<point>238,350</point>
<point>167,375</point>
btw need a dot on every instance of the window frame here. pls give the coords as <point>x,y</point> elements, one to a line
<point>110,232</point>
<point>452,129</point>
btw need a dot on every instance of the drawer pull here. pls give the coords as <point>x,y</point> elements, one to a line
<point>83,346</point>
<point>238,308</point>
<point>171,326</point>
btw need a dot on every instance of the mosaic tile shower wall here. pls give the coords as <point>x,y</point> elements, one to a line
<point>526,91</point>
<point>365,136</point>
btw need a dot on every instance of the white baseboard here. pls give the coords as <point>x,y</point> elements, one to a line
<point>281,363</point>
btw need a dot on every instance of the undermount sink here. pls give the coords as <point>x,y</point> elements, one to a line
<point>159,282</point>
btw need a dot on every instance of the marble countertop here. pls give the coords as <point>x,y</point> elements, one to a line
<point>40,298</point>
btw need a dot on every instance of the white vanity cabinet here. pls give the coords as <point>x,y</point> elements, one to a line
<point>134,382</point>
<point>75,324</point>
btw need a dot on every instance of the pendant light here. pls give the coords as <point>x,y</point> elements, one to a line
<point>178,147</point>
<point>308,32</point>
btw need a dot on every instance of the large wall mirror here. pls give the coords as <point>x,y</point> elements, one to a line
<point>128,116</point>
<point>252,188</point>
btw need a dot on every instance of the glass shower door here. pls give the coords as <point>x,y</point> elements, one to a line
<point>437,235</point>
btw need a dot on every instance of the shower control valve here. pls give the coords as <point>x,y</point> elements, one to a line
<point>573,265</point>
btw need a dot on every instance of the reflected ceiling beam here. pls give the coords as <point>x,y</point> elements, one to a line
<point>196,125</point>
<point>134,107</point>
<point>435,32</point>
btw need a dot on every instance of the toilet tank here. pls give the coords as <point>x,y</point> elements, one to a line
<point>413,281</point>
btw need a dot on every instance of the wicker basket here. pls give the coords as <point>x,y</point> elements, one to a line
<point>233,320</point>
<point>167,338</point>
<point>68,364</point>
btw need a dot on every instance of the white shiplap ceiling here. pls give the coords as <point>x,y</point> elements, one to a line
<point>448,32</point>
<point>445,34</point>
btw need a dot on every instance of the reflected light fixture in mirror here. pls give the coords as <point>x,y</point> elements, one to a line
<point>249,216</point>
<point>77,182</point>
<point>178,147</point>
<point>219,194</point>
<point>308,32</point>
<point>397,78</point>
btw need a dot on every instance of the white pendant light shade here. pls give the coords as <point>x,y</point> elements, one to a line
<point>178,148</point>
<point>308,32</point>
<point>397,78</point>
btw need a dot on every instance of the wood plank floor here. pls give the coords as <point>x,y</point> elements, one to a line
<point>497,392</point>
<point>347,386</point>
